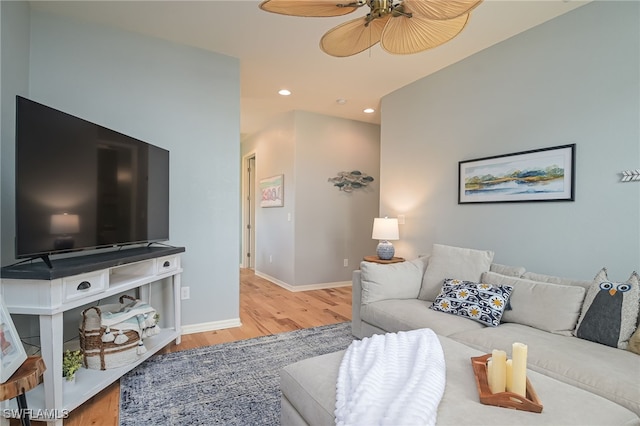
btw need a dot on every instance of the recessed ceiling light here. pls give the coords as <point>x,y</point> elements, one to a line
<point>341,101</point>
<point>284,92</point>
<point>369,110</point>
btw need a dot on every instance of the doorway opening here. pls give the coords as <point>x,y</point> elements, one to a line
<point>248,211</point>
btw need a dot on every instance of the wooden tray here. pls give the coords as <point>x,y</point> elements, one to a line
<point>502,399</point>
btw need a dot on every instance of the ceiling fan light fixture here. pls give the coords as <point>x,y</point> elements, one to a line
<point>309,8</point>
<point>406,36</point>
<point>441,9</point>
<point>400,26</point>
<point>352,37</point>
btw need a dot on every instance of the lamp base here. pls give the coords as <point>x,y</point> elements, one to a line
<point>385,250</point>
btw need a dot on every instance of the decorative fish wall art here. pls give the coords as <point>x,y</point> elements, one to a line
<point>348,181</point>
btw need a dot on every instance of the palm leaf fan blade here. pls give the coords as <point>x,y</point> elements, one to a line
<point>440,9</point>
<point>405,36</point>
<point>352,37</point>
<point>317,8</point>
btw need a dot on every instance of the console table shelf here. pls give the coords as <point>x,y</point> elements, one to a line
<point>33,289</point>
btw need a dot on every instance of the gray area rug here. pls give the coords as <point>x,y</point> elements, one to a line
<point>235,383</point>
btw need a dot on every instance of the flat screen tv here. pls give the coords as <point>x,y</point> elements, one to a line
<point>83,186</point>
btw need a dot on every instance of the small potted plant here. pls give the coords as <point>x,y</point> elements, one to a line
<point>71,362</point>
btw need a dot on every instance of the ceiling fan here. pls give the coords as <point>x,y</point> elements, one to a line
<point>401,26</point>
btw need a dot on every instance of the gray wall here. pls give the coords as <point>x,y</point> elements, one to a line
<point>333,225</point>
<point>574,79</point>
<point>275,154</point>
<point>14,75</point>
<point>183,99</point>
<point>327,225</point>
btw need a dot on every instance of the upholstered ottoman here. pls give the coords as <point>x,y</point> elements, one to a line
<point>309,394</point>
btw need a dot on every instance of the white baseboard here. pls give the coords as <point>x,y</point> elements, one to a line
<point>211,326</point>
<point>296,288</point>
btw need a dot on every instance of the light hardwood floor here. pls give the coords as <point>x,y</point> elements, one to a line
<point>265,309</point>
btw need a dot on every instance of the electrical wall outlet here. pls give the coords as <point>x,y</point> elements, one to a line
<point>185,293</point>
<point>346,262</point>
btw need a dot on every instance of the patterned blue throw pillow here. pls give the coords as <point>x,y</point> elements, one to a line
<point>480,302</point>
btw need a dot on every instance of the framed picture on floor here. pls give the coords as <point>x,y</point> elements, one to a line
<point>12,353</point>
<point>545,174</point>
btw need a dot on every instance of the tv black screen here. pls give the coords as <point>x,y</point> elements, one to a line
<point>80,185</point>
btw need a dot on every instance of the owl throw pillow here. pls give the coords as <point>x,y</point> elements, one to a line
<point>610,311</point>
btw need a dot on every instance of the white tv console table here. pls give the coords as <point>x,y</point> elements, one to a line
<point>36,289</point>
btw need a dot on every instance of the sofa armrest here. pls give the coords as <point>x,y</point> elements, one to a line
<point>356,302</point>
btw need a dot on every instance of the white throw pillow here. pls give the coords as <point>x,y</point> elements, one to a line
<point>453,262</point>
<point>550,307</point>
<point>512,271</point>
<point>391,281</point>
<point>533,276</point>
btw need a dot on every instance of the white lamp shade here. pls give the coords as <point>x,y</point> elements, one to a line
<point>65,224</point>
<point>385,228</point>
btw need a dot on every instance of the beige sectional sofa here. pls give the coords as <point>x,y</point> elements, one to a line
<point>577,380</point>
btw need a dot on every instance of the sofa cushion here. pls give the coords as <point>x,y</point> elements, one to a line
<point>310,386</point>
<point>609,372</point>
<point>512,271</point>
<point>634,342</point>
<point>410,314</point>
<point>453,262</point>
<point>533,276</point>
<point>610,311</point>
<point>391,281</point>
<point>309,396</point>
<point>551,307</point>
<point>484,303</point>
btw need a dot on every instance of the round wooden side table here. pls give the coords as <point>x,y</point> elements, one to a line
<point>27,377</point>
<point>376,259</point>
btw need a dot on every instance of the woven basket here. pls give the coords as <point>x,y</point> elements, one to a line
<point>100,355</point>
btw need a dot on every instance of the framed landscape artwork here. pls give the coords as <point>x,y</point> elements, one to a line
<point>545,174</point>
<point>12,353</point>
<point>272,191</point>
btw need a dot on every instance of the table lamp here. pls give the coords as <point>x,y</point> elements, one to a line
<point>385,229</point>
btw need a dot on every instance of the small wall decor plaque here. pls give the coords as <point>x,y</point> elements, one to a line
<point>545,174</point>
<point>348,181</point>
<point>272,190</point>
<point>630,176</point>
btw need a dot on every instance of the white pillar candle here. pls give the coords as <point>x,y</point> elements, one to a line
<point>498,371</point>
<point>519,381</point>
<point>509,386</point>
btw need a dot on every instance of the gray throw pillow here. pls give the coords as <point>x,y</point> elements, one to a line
<point>610,311</point>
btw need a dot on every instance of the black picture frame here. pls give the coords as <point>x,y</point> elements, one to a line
<point>546,174</point>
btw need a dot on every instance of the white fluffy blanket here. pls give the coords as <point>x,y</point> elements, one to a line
<point>391,379</point>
